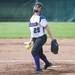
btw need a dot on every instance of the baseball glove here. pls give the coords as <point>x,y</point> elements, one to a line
<point>54,46</point>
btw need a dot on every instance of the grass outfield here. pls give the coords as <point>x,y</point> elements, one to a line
<point>21,30</point>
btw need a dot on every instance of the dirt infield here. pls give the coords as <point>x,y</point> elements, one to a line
<point>15,59</point>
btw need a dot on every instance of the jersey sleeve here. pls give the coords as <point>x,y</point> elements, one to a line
<point>43,21</point>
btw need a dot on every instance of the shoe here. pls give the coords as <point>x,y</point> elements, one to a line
<point>47,65</point>
<point>38,71</point>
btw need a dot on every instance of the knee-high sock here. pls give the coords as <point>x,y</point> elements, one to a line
<point>37,62</point>
<point>44,58</point>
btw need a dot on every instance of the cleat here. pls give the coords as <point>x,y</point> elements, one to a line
<point>38,71</point>
<point>47,65</point>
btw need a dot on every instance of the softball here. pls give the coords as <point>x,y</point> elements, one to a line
<point>28,46</point>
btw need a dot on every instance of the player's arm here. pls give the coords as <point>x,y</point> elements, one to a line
<point>48,31</point>
<point>44,23</point>
<point>30,41</point>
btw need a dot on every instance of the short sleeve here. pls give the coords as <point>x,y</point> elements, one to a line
<point>43,21</point>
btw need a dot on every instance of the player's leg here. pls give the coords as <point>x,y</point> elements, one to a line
<point>42,41</point>
<point>36,55</point>
<point>37,44</point>
<point>44,58</point>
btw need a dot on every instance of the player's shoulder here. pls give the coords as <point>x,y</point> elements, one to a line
<point>42,17</point>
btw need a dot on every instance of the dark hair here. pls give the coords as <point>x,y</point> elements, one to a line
<point>39,4</point>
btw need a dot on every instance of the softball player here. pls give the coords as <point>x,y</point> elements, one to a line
<point>38,24</point>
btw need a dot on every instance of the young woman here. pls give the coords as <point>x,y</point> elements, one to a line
<point>38,24</point>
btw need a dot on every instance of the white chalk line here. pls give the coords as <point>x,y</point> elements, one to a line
<point>14,61</point>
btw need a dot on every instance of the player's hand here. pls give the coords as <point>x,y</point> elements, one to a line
<point>28,45</point>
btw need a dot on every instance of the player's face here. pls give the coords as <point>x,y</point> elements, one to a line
<point>38,8</point>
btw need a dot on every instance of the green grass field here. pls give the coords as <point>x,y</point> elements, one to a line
<point>21,30</point>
